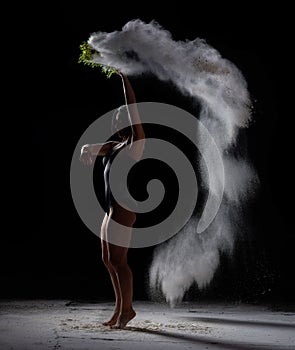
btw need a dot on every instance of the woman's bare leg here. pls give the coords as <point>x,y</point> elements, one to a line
<point>118,260</point>
<point>112,272</point>
<point>125,278</point>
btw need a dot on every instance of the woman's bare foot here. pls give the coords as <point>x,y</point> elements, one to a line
<point>113,319</point>
<point>123,319</point>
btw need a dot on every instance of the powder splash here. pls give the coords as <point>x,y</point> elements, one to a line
<point>220,89</point>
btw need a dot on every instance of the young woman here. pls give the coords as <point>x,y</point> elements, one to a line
<point>114,256</point>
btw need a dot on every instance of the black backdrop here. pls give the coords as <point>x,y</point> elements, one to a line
<point>46,250</point>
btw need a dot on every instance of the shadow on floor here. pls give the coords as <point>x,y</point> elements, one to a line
<point>218,343</point>
<point>238,322</point>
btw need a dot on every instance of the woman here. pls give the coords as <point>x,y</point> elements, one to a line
<point>114,256</point>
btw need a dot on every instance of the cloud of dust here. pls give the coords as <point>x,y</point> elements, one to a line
<point>219,87</point>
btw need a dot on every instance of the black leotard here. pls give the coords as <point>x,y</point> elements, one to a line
<point>107,163</point>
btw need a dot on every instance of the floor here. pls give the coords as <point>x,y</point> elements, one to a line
<point>62,324</point>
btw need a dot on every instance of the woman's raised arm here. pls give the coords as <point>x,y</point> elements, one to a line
<point>138,132</point>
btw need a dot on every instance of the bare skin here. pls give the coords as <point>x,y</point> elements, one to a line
<point>115,260</point>
<point>115,257</point>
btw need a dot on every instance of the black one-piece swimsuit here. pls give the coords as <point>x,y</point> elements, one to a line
<point>107,163</point>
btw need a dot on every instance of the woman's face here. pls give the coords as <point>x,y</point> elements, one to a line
<point>118,123</point>
<point>118,126</point>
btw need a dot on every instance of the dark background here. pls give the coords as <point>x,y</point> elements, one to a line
<point>47,252</point>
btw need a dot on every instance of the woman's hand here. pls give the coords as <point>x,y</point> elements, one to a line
<point>121,75</point>
<point>86,155</point>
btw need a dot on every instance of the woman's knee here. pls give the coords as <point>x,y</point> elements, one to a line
<point>106,260</point>
<point>117,261</point>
